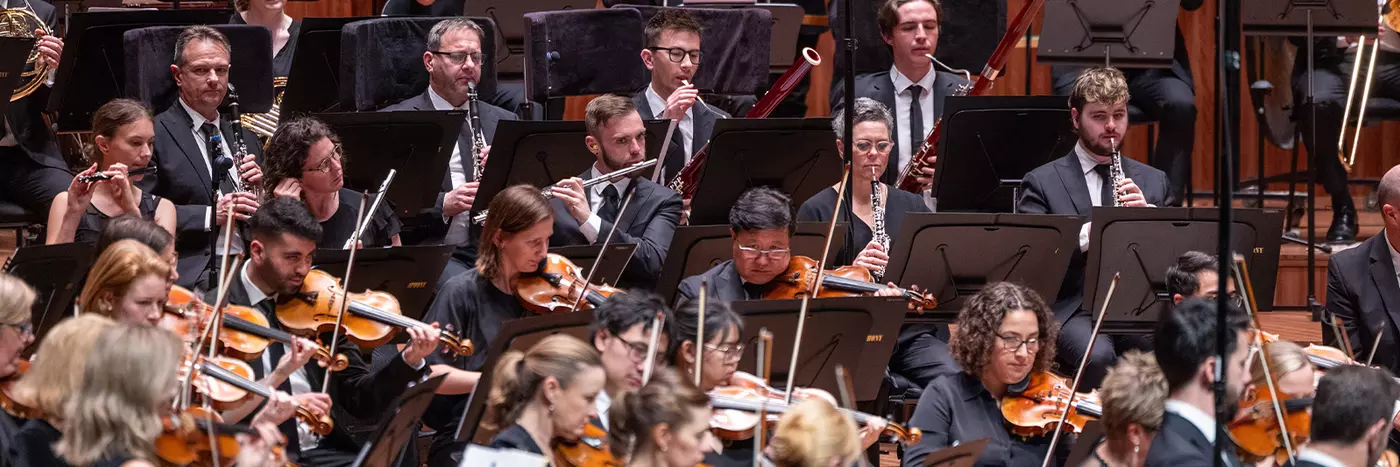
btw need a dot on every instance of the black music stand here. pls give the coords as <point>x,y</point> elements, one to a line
<point>56,272</point>
<point>541,153</point>
<point>14,57</point>
<point>1140,244</point>
<point>406,272</point>
<point>989,143</point>
<point>619,254</point>
<point>855,332</point>
<point>1139,34</point>
<point>954,256</point>
<point>398,428</point>
<point>313,81</point>
<point>92,70</point>
<point>417,143</point>
<point>795,156</point>
<point>697,248</point>
<point>962,455</point>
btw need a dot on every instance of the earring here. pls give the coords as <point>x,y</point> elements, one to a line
<point>551,408</point>
<point>1136,448</point>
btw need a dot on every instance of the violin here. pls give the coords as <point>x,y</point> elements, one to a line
<point>1256,430</point>
<point>1036,411</point>
<point>185,439</point>
<point>245,333</point>
<point>591,450</point>
<point>845,281</point>
<point>373,320</point>
<point>555,287</point>
<point>7,400</point>
<point>737,407</point>
<point>237,385</point>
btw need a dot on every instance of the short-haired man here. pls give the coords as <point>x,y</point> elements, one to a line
<point>761,226</point>
<point>453,60</point>
<point>621,330</point>
<point>672,53</point>
<point>582,216</point>
<point>1351,418</point>
<point>1186,350</point>
<point>1077,183</point>
<point>190,136</point>
<point>32,171</point>
<point>1196,275</point>
<point>1362,286</point>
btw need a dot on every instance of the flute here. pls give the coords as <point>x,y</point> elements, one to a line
<point>97,177</point>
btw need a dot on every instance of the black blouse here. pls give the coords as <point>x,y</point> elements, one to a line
<point>282,60</point>
<point>93,221</point>
<point>897,204</point>
<point>33,445</point>
<point>515,437</point>
<point>956,408</point>
<point>383,224</point>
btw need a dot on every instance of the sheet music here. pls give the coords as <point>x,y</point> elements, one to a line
<point>482,456</point>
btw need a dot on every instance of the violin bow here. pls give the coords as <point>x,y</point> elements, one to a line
<point>378,199</point>
<point>1079,373</point>
<point>345,290</point>
<point>700,333</point>
<point>647,367</point>
<point>848,399</point>
<point>228,243</point>
<point>1374,345</point>
<point>1241,279</point>
<point>821,271</point>
<point>587,281</point>
<point>763,361</point>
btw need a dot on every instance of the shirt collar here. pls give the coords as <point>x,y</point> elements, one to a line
<point>1394,255</point>
<point>255,295</point>
<point>902,82</point>
<point>439,103</point>
<point>198,119</point>
<point>603,402</point>
<point>1318,457</point>
<point>620,184</point>
<point>658,104</point>
<point>1087,161</point>
<point>1203,421</point>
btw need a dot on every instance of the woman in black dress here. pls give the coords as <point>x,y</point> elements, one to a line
<point>123,140</point>
<point>544,393</point>
<point>271,14</point>
<point>53,377</point>
<point>304,161</point>
<point>666,423</point>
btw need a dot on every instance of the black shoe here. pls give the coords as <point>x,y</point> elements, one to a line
<point>1343,229</point>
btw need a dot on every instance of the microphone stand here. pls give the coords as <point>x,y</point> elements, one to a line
<point>848,116</point>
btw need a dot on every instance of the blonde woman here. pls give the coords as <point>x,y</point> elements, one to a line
<point>544,393</point>
<point>53,377</point>
<point>128,283</point>
<point>1293,374</point>
<point>814,434</point>
<point>666,423</point>
<point>1134,395</point>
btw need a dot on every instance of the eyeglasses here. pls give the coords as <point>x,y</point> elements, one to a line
<point>635,350</point>
<point>1235,299</point>
<point>881,147</point>
<point>1014,343</point>
<point>325,165</point>
<point>732,352</point>
<point>457,58</point>
<point>677,54</point>
<point>25,329</point>
<point>754,253</point>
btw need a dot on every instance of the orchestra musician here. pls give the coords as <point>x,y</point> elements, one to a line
<point>1002,337</point>
<point>1350,418</point>
<point>814,434</point>
<point>1363,287</point>
<point>271,14</point>
<point>672,53</point>
<point>1293,376</point>
<point>622,328</point>
<point>1186,350</point>
<point>147,233</point>
<point>16,333</point>
<point>123,136</point>
<point>544,393</point>
<point>128,283</point>
<point>53,378</point>
<point>185,152</point>
<point>32,170</point>
<point>666,423</point>
<point>453,60</point>
<point>1133,396</point>
<point>1196,275</point>
<point>584,216</point>
<point>1078,182</point>
<point>913,90</point>
<point>305,163</point>
<point>722,347</point>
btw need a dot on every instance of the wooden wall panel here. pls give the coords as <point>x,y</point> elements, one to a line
<point>331,8</point>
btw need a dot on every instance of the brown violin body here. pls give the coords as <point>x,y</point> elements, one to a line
<point>1037,410</point>
<point>7,401</point>
<point>373,319</point>
<point>845,281</point>
<point>1256,430</point>
<point>245,332</point>
<point>185,439</point>
<point>591,450</point>
<point>735,424</point>
<point>221,395</point>
<point>556,286</point>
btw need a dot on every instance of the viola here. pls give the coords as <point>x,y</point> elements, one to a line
<point>238,386</point>
<point>373,320</point>
<point>7,400</point>
<point>555,287</point>
<point>737,407</point>
<point>591,450</point>
<point>245,333</point>
<point>1036,411</point>
<point>185,439</point>
<point>1256,429</point>
<point>845,281</point>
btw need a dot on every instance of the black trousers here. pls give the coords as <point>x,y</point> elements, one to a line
<point>28,183</point>
<point>1330,82</point>
<point>922,354</point>
<point>1074,341</point>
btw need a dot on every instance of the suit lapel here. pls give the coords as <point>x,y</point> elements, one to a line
<point>942,88</point>
<point>704,126</point>
<point>728,281</point>
<point>884,92</point>
<point>1072,178</point>
<point>179,127</point>
<point>1384,276</point>
<point>639,193</point>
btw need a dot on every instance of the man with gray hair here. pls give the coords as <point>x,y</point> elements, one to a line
<point>453,59</point>
<point>1363,288</point>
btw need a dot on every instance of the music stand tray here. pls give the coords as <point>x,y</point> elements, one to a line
<point>56,272</point>
<point>954,256</point>
<point>794,155</point>
<point>1291,18</point>
<point>619,254</point>
<point>697,248</point>
<point>1139,34</point>
<point>1140,244</point>
<point>399,425</point>
<point>417,143</point>
<point>313,81</point>
<point>989,143</point>
<point>962,455</point>
<point>406,272</point>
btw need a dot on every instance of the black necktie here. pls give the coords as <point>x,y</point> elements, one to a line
<point>212,148</point>
<point>753,291</point>
<point>464,148</point>
<point>608,211</point>
<point>1105,188</point>
<point>916,132</point>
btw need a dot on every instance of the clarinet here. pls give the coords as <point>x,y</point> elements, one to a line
<point>478,138</point>
<point>240,149</point>
<point>877,214</point>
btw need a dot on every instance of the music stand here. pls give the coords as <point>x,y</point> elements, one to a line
<point>697,248</point>
<point>56,272</point>
<point>14,57</point>
<point>313,81</point>
<point>619,254</point>
<point>856,332</point>
<point>417,143</point>
<point>94,61</point>
<point>954,256</point>
<point>962,455</point>
<point>1139,34</point>
<point>399,425</point>
<point>787,23</point>
<point>1140,244</point>
<point>989,143</point>
<point>541,153</point>
<point>795,156</point>
<point>406,272</point>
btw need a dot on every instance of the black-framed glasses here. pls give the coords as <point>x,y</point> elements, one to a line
<point>325,165</point>
<point>731,352</point>
<point>1014,343</point>
<point>637,351</point>
<point>879,146</point>
<point>458,58</point>
<point>25,329</point>
<point>677,54</point>
<point>754,253</point>
<point>1235,299</point>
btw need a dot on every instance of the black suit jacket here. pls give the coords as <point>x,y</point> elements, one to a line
<point>1058,187</point>
<point>880,86</point>
<point>649,223</point>
<point>1180,444</point>
<point>1362,291</point>
<point>724,284</point>
<point>704,118</point>
<point>26,115</point>
<point>182,176</point>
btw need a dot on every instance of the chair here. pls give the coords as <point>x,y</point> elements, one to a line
<point>381,60</point>
<point>27,225</point>
<point>149,52</point>
<point>582,52</point>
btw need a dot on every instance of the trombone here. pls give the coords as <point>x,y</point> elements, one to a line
<point>1390,19</point>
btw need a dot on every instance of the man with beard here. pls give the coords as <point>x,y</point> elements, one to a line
<point>1077,183</point>
<point>1350,419</point>
<point>1186,349</point>
<point>585,216</point>
<point>672,53</point>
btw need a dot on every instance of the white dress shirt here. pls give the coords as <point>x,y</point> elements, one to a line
<point>686,126</point>
<point>1201,420</point>
<point>1087,162</point>
<point>602,403</point>
<point>457,225</point>
<point>306,438</point>
<point>201,142</point>
<point>902,101</point>
<point>1318,457</point>
<point>591,227</point>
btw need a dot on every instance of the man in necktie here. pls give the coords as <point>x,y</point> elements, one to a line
<point>584,216</point>
<point>32,170</point>
<point>672,53</point>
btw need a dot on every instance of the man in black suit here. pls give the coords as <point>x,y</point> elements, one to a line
<point>672,53</point>
<point>1363,288</point>
<point>191,137</point>
<point>585,216</point>
<point>1078,182</point>
<point>453,60</point>
<point>284,236</point>
<point>1186,350</point>
<point>32,171</point>
<point>1349,424</point>
<point>761,225</point>
<point>912,89</point>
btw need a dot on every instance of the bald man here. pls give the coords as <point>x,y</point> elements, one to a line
<point>1363,288</point>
